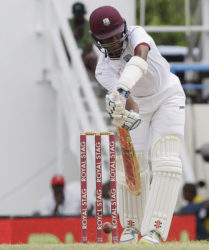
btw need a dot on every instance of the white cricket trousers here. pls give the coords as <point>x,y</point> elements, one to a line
<point>161,114</point>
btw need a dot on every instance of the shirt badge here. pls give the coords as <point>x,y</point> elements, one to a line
<point>106,21</point>
<point>127,57</point>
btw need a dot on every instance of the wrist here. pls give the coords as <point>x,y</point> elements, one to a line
<point>124,93</point>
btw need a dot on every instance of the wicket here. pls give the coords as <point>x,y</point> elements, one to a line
<point>99,200</point>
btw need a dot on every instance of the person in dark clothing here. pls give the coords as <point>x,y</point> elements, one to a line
<point>198,209</point>
<point>80,28</point>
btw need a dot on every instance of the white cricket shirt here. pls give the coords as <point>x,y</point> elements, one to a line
<point>155,80</point>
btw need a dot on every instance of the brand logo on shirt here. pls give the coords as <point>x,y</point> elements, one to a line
<point>106,21</point>
<point>127,57</point>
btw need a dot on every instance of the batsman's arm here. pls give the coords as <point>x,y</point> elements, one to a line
<point>132,105</point>
<point>141,51</point>
<point>134,70</point>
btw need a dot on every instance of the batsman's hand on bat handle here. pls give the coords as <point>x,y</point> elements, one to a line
<point>115,106</point>
<point>133,71</point>
<point>115,103</point>
<point>129,120</point>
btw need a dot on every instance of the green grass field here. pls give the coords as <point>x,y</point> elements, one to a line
<point>204,245</point>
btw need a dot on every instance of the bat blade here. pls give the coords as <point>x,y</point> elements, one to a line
<point>131,165</point>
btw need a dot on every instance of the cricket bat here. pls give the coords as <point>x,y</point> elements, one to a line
<point>130,162</point>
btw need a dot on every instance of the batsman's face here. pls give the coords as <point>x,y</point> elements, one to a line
<point>113,42</point>
<point>113,45</point>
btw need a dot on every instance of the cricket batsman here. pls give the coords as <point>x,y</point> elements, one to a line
<point>151,105</point>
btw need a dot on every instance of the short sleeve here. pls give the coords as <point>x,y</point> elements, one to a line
<point>139,36</point>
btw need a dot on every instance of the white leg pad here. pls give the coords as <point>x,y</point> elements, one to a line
<point>131,207</point>
<point>167,170</point>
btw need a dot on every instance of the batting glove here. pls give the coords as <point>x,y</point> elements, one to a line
<point>128,119</point>
<point>115,103</point>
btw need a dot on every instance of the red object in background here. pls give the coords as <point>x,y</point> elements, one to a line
<point>58,180</point>
<point>18,230</point>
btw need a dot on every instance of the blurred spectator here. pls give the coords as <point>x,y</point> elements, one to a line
<point>63,200</point>
<point>204,151</point>
<point>80,28</point>
<point>198,209</point>
<point>201,191</point>
<point>106,198</point>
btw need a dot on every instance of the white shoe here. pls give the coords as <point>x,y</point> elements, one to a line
<point>151,238</point>
<point>129,235</point>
